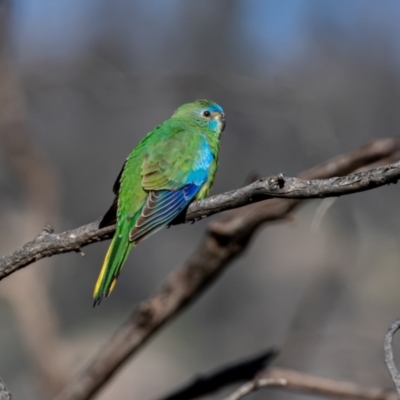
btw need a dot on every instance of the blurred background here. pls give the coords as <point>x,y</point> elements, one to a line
<point>81,82</point>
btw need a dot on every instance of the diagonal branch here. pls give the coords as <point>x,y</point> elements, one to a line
<point>226,239</point>
<point>48,244</point>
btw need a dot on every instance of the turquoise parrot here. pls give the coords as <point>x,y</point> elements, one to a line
<point>172,166</point>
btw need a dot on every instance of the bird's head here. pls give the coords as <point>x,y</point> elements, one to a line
<point>206,113</point>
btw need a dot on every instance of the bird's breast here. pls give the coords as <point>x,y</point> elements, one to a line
<point>204,155</point>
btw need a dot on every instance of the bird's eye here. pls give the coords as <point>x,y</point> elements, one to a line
<point>206,113</point>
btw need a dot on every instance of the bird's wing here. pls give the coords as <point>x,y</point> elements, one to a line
<point>161,208</point>
<point>174,169</point>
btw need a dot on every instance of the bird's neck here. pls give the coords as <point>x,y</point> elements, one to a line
<point>213,141</point>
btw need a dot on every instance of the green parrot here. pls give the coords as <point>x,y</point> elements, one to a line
<point>172,166</point>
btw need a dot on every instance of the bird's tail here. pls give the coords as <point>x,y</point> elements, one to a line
<point>116,255</point>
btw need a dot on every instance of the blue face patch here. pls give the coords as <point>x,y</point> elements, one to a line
<point>213,124</point>
<point>216,108</point>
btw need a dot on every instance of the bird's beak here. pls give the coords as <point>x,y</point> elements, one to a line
<point>222,122</point>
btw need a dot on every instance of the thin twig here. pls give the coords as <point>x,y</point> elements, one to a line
<point>308,187</point>
<point>255,385</point>
<point>389,358</point>
<point>226,239</point>
<point>308,384</point>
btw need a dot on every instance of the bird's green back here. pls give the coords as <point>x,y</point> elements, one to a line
<point>174,164</point>
<point>163,160</point>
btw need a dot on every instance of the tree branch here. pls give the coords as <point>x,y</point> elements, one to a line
<point>295,188</point>
<point>389,358</point>
<point>260,376</point>
<point>48,244</point>
<point>308,384</point>
<point>225,239</point>
<point>228,375</point>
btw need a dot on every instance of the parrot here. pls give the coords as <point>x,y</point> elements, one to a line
<point>172,166</point>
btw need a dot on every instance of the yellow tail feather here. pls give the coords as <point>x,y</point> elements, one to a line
<point>102,274</point>
<point>112,286</point>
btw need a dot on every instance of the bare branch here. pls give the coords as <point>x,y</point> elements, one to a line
<point>308,384</point>
<point>295,188</point>
<point>389,358</point>
<point>49,244</point>
<point>225,239</point>
<point>239,372</point>
<point>285,379</point>
<point>4,393</point>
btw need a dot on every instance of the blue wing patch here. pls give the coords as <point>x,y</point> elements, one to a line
<point>161,208</point>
